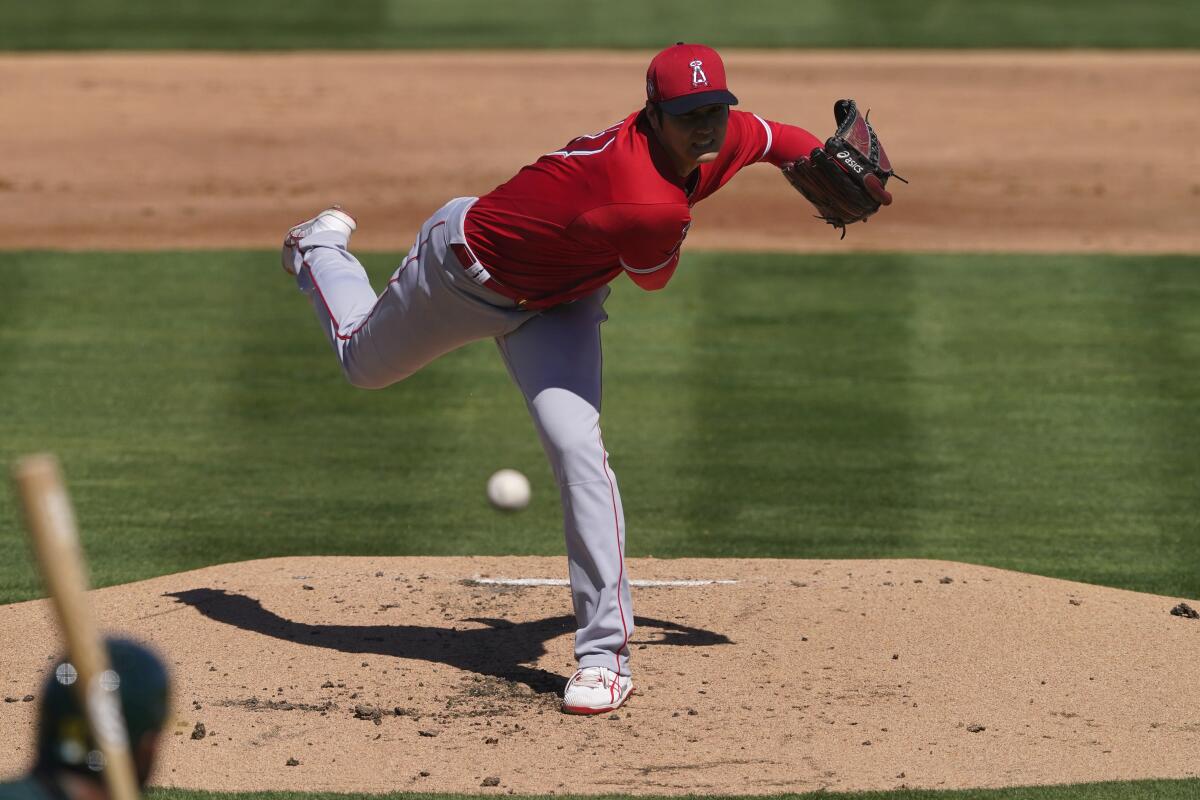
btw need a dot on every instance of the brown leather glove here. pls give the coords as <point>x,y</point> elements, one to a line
<point>845,180</point>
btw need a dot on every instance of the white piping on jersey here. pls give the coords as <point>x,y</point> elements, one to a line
<point>637,271</point>
<point>766,149</point>
<point>597,135</point>
<point>583,152</point>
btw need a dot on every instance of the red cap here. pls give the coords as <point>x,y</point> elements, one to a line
<point>686,76</point>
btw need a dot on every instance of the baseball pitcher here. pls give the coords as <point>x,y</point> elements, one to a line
<point>528,265</point>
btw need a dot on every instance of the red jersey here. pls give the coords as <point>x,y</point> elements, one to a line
<point>607,203</point>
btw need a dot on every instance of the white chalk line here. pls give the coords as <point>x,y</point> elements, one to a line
<point>565,582</point>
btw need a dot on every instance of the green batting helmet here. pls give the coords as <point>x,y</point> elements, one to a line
<point>144,688</point>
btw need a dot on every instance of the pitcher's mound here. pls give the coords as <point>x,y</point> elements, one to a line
<point>751,676</point>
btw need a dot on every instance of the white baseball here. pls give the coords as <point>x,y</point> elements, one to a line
<point>508,490</point>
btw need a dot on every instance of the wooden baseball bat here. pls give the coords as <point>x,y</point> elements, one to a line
<point>51,525</point>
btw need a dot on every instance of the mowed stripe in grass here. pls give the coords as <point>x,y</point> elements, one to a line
<point>314,24</point>
<point>1029,413</point>
<point>1033,413</point>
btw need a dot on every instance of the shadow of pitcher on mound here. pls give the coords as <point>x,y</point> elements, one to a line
<point>500,650</point>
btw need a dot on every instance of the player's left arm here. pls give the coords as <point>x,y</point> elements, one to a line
<point>785,143</point>
<point>752,139</point>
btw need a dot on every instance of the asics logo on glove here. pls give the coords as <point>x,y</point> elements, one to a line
<point>844,157</point>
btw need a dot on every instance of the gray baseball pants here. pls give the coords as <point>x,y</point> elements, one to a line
<point>430,307</point>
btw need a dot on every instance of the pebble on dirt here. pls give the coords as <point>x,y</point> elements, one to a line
<point>976,728</point>
<point>198,732</point>
<point>1184,610</point>
<point>490,782</point>
<point>368,712</point>
<point>293,762</point>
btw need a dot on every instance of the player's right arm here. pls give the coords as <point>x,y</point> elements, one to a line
<point>647,238</point>
<point>652,277</point>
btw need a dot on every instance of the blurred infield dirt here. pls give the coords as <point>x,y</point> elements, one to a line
<point>407,674</point>
<point>1029,151</point>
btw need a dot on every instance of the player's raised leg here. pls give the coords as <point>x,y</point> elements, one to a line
<point>555,359</point>
<point>428,308</point>
<point>345,296</point>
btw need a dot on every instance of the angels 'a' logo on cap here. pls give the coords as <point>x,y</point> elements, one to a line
<point>698,76</point>
<point>650,88</point>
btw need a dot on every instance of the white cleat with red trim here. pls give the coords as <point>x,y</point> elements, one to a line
<point>595,690</point>
<point>331,219</point>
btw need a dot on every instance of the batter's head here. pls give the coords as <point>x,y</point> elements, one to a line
<point>685,77</point>
<point>63,739</point>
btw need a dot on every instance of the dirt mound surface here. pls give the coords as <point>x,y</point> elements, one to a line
<point>1006,151</point>
<point>751,676</point>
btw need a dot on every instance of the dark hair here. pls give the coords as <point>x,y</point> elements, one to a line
<point>655,109</point>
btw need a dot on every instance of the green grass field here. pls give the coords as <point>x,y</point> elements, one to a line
<point>366,24</point>
<point>1032,413</point>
